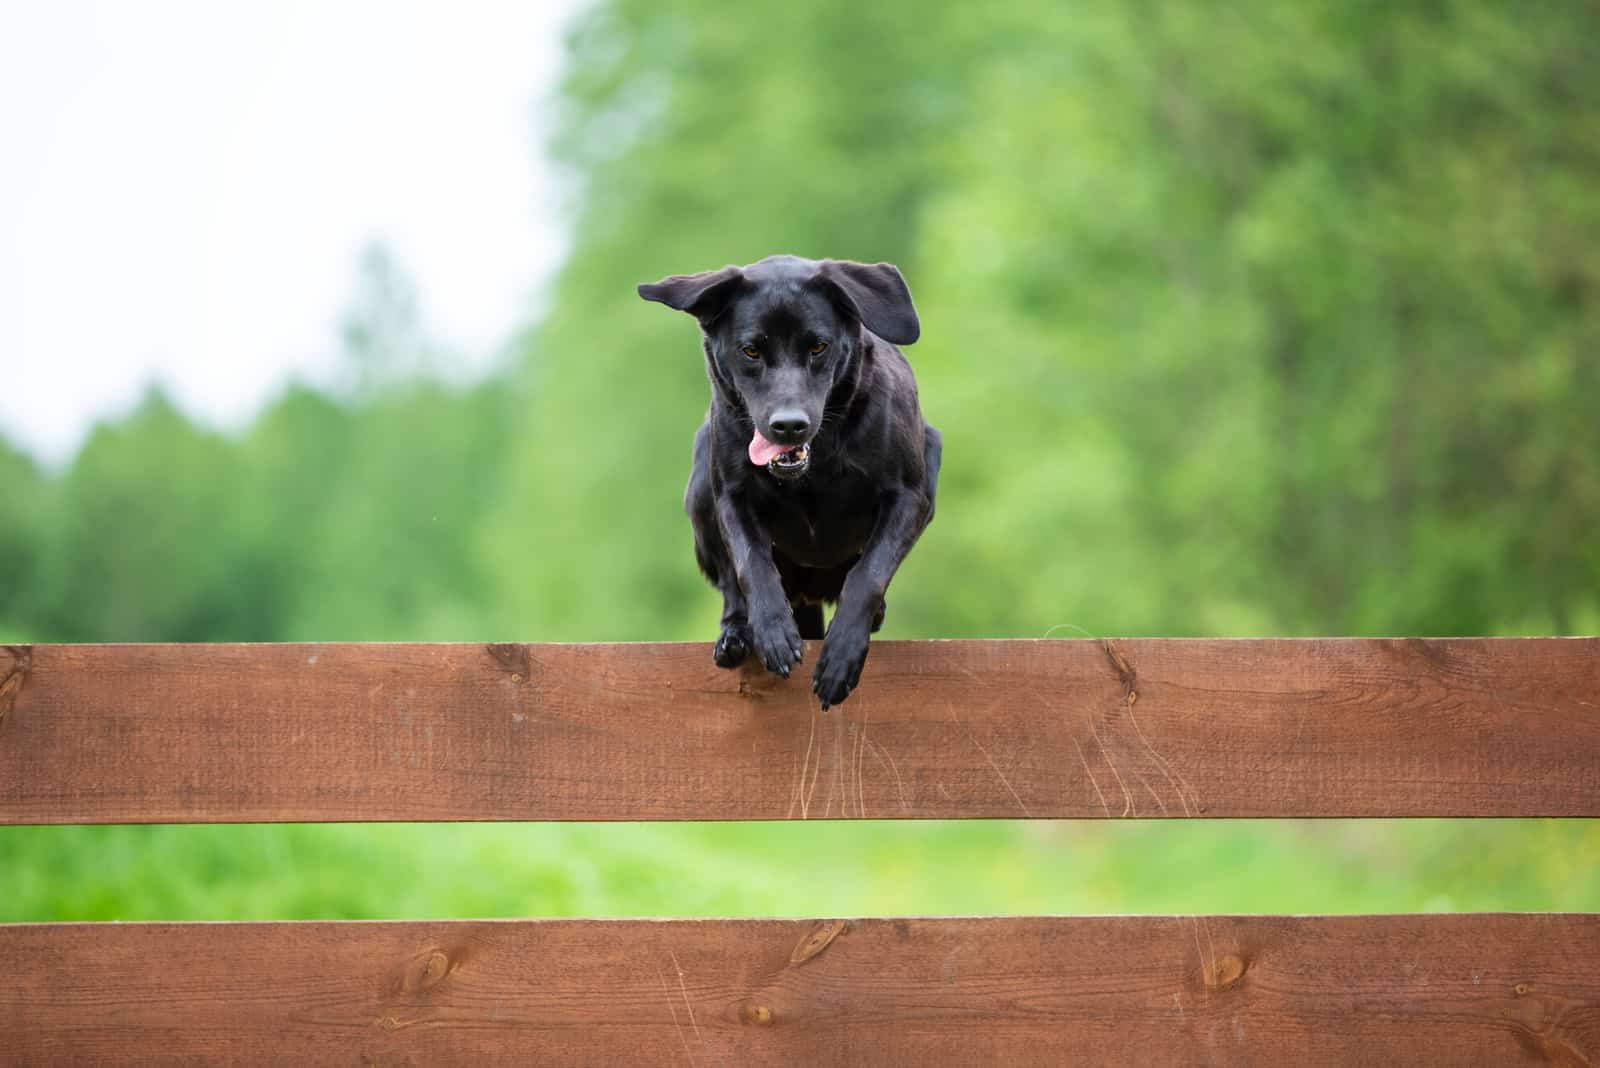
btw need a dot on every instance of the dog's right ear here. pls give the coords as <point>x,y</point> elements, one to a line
<point>704,295</point>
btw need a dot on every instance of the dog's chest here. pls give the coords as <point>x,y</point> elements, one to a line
<point>821,526</point>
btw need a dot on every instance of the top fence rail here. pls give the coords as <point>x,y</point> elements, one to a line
<point>1136,728</point>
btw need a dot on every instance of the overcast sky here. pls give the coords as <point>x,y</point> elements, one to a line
<point>186,186</point>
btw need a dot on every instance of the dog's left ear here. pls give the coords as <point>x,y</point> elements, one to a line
<point>877,294</point>
<point>702,295</point>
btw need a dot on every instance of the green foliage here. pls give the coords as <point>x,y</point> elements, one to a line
<point>140,537</point>
<point>385,520</point>
<point>406,871</point>
<point>1273,319</point>
<point>1318,321</point>
<point>20,485</point>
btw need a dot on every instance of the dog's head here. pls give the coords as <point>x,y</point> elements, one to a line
<point>781,333</point>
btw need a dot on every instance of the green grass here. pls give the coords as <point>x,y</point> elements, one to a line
<point>778,869</point>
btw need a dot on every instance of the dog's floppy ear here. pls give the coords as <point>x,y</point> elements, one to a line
<point>702,295</point>
<point>878,296</point>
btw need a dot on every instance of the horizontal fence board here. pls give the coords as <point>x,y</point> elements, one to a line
<point>947,729</point>
<point>1441,990</point>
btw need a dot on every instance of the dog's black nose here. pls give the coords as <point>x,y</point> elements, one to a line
<point>788,426</point>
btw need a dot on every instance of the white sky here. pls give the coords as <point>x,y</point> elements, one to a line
<point>186,185</point>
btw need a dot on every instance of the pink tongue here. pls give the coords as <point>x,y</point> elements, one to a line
<point>763,452</point>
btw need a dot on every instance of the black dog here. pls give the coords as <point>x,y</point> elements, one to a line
<point>814,472</point>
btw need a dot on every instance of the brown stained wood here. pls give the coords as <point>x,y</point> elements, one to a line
<point>1131,728</point>
<point>1490,990</point>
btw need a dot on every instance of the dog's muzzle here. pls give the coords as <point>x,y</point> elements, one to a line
<point>791,463</point>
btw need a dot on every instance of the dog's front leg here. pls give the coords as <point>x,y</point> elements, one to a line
<point>901,519</point>
<point>772,626</point>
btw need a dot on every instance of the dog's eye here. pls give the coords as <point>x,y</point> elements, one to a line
<point>819,348</point>
<point>752,352</point>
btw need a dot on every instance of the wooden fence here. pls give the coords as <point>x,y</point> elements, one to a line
<point>1058,729</point>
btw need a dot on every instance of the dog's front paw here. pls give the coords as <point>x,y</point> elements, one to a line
<point>844,653</point>
<point>733,645</point>
<point>777,641</point>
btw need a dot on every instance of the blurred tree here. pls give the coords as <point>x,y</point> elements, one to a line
<point>382,330</point>
<point>325,520</point>
<point>373,509</point>
<point>141,542</point>
<point>387,546</point>
<point>1320,318</point>
<point>22,488</point>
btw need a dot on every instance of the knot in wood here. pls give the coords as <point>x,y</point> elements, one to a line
<point>758,1014</point>
<point>427,970</point>
<point>818,940</point>
<point>1229,970</point>
<point>514,658</point>
<point>14,667</point>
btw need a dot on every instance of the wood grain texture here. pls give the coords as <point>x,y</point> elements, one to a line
<point>1490,990</point>
<point>1135,728</point>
